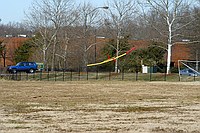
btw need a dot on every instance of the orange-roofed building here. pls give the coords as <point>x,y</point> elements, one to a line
<point>11,45</point>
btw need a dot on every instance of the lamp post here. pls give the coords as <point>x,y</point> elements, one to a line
<point>4,57</point>
<point>85,35</point>
<point>95,47</point>
<point>197,58</point>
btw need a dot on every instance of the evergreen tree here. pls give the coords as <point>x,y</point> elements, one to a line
<point>2,47</point>
<point>3,53</point>
<point>23,53</point>
<point>150,56</point>
<point>109,51</point>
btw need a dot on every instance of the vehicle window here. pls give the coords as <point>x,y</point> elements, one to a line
<point>190,71</point>
<point>30,64</point>
<point>18,64</point>
<point>21,64</point>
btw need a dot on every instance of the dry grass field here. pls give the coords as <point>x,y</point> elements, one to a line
<point>99,107</point>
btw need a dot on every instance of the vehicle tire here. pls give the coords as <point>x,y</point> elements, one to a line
<point>14,71</point>
<point>31,71</point>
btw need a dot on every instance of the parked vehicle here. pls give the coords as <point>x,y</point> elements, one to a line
<point>29,67</point>
<point>189,72</point>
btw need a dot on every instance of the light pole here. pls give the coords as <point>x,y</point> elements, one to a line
<point>95,47</point>
<point>4,57</point>
<point>85,35</point>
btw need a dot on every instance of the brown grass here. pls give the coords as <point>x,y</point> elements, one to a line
<point>99,106</point>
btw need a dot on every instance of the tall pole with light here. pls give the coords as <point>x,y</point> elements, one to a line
<point>4,57</point>
<point>95,46</point>
<point>85,34</point>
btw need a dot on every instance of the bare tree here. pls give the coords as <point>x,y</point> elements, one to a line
<point>170,13</point>
<point>47,18</point>
<point>120,13</point>
<point>3,52</point>
<point>194,36</point>
<point>13,30</point>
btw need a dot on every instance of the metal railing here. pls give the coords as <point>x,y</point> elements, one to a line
<point>78,75</point>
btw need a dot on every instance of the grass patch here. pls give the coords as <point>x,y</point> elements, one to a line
<point>24,108</point>
<point>16,122</point>
<point>125,109</point>
<point>99,106</point>
<point>21,127</point>
<point>141,109</point>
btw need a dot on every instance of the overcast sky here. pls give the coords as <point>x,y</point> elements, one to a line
<point>13,10</point>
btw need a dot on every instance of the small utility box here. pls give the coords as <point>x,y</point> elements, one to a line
<point>147,69</point>
<point>144,69</point>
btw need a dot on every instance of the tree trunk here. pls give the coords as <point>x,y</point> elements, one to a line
<point>44,59</point>
<point>169,53</point>
<point>117,54</point>
<point>53,57</point>
<point>85,61</point>
<point>169,45</point>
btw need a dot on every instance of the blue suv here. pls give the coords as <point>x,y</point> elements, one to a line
<point>29,67</point>
<point>189,72</point>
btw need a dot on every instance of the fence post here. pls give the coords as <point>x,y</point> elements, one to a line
<point>63,75</point>
<point>12,76</point>
<point>16,76</point>
<point>150,74</point>
<point>122,73</point>
<point>97,72</point>
<point>79,73</point>
<point>40,75</point>
<point>136,75</point>
<point>165,77</point>
<point>20,76</point>
<point>71,75</point>
<point>33,76</point>
<point>26,76</point>
<point>109,75</point>
<point>87,74</point>
<point>48,74</point>
<point>55,75</point>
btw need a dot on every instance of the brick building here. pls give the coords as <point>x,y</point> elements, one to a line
<point>11,45</point>
<point>180,51</point>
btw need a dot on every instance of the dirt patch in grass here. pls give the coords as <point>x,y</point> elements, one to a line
<point>100,106</point>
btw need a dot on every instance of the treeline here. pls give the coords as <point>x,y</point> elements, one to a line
<point>69,36</point>
<point>14,30</point>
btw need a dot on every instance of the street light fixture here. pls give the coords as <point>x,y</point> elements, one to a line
<point>86,15</point>
<point>105,7</point>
